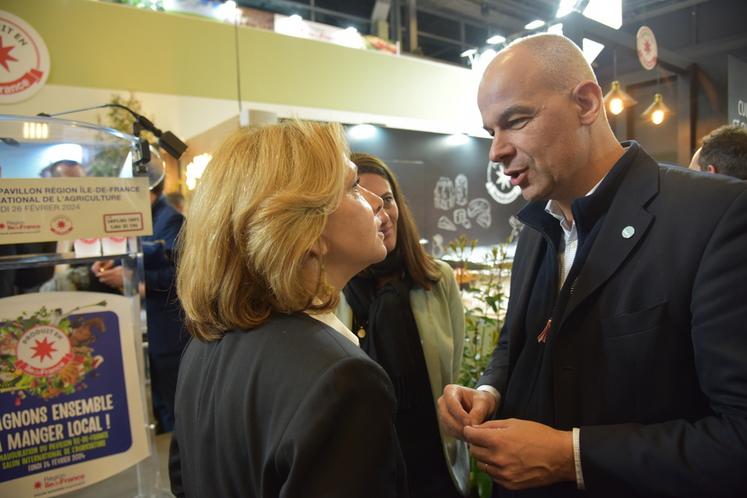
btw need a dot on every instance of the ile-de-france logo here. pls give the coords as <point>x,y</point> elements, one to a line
<point>43,350</point>
<point>24,59</point>
<point>499,185</point>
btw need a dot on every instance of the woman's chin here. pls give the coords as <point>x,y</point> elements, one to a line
<point>381,253</point>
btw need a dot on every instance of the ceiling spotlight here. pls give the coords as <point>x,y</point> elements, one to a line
<point>362,132</point>
<point>496,39</point>
<point>457,139</point>
<point>537,23</point>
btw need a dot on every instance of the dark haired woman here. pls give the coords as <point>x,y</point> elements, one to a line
<point>408,315</point>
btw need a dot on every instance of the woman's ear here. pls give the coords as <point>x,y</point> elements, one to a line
<point>589,100</point>
<point>319,249</point>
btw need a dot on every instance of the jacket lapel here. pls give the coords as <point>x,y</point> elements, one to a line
<point>624,226</point>
<point>527,267</point>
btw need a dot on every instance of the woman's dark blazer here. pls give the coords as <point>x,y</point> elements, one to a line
<point>289,409</point>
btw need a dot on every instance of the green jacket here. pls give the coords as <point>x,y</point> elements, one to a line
<point>439,315</point>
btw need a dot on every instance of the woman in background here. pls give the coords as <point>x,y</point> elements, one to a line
<point>275,398</point>
<point>407,312</point>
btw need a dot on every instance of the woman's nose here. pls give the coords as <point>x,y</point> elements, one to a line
<point>374,200</point>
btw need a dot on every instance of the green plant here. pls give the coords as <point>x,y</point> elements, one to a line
<point>485,300</point>
<point>108,160</point>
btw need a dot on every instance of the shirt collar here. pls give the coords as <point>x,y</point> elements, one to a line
<point>332,321</point>
<point>586,210</point>
<point>553,209</point>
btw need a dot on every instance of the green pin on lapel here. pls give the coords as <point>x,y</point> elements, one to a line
<point>628,232</point>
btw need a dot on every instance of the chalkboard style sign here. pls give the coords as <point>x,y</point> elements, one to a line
<point>450,185</point>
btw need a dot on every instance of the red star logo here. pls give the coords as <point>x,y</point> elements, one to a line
<point>5,55</point>
<point>2,225</point>
<point>647,46</point>
<point>37,485</point>
<point>42,349</point>
<point>61,224</point>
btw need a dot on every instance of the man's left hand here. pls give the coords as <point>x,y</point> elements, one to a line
<point>520,454</point>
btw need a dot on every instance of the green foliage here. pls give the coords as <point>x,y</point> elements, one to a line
<point>109,159</point>
<point>483,291</point>
<point>121,120</point>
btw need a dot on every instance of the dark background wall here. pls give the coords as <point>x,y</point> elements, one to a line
<point>707,33</point>
<point>446,185</point>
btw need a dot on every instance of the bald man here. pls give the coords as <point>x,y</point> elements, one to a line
<point>621,369</point>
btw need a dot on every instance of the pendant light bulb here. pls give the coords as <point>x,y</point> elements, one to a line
<point>616,105</point>
<point>657,112</point>
<point>617,100</point>
<point>657,117</point>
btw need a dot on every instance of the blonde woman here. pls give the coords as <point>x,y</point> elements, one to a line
<point>407,312</point>
<point>275,398</point>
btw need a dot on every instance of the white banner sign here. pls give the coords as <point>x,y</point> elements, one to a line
<point>47,209</point>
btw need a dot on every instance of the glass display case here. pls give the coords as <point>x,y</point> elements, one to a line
<point>72,368</point>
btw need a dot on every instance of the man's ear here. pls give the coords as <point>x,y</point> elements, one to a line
<point>711,168</point>
<point>588,98</point>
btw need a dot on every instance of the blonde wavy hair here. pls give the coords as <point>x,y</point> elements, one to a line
<point>259,209</point>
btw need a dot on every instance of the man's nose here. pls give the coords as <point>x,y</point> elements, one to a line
<point>500,149</point>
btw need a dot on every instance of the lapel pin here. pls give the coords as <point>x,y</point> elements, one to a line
<point>628,232</point>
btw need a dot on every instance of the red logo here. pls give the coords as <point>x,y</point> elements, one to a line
<point>61,225</point>
<point>43,350</point>
<point>646,47</point>
<point>24,59</point>
<point>5,55</point>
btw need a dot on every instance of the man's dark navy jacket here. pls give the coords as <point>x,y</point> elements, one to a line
<point>648,354</point>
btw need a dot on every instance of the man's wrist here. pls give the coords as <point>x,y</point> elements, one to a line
<point>492,390</point>
<point>579,475</point>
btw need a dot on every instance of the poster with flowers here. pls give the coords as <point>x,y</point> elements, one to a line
<point>71,411</point>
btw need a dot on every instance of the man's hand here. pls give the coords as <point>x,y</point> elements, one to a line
<point>520,454</point>
<point>108,274</point>
<point>461,406</point>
